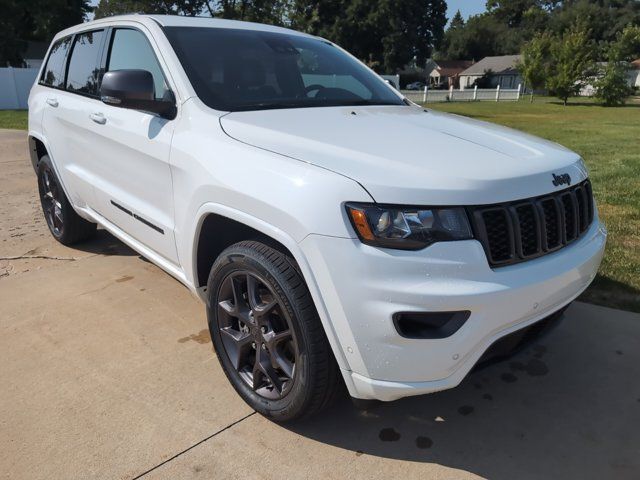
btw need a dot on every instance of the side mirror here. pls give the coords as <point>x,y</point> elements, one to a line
<point>135,89</point>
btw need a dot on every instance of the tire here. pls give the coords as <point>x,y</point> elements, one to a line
<point>258,366</point>
<point>64,223</point>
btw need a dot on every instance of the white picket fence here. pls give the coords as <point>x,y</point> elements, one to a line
<point>468,95</point>
<point>15,84</point>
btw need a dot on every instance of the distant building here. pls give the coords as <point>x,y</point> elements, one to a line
<point>633,78</point>
<point>503,72</point>
<point>446,73</point>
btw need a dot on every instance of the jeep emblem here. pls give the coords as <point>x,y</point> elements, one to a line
<point>562,179</point>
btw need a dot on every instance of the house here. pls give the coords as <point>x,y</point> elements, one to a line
<point>633,77</point>
<point>446,73</point>
<point>504,72</point>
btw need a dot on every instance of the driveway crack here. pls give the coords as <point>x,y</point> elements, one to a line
<point>231,425</point>
<point>43,257</point>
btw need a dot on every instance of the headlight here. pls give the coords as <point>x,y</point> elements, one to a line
<point>407,228</point>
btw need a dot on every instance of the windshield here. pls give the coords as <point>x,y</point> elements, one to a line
<point>234,70</point>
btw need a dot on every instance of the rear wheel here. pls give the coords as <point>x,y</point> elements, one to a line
<point>64,223</point>
<point>267,333</point>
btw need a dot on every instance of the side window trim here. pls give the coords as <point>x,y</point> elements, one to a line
<point>109,45</point>
<point>100,56</point>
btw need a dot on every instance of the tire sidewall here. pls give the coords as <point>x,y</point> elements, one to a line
<point>45,163</point>
<point>244,259</point>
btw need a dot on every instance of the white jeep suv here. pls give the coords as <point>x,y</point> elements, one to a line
<point>338,233</point>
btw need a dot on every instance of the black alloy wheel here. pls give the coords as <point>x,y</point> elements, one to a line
<point>267,333</point>
<point>51,197</point>
<point>257,335</point>
<point>66,226</point>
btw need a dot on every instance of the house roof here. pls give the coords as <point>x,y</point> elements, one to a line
<point>505,64</point>
<point>451,68</point>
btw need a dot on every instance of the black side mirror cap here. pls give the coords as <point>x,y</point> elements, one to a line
<point>135,89</point>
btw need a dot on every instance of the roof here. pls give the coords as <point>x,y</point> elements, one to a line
<point>451,68</point>
<point>505,64</point>
<point>181,21</point>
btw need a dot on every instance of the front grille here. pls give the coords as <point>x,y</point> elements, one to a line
<point>517,231</point>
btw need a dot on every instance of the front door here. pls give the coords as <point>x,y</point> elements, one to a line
<point>133,186</point>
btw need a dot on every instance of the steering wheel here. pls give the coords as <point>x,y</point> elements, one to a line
<point>311,88</point>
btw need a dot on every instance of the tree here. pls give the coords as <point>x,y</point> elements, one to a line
<point>612,88</point>
<point>12,43</point>
<point>534,66</point>
<point>410,31</point>
<point>385,34</point>
<point>482,35</point>
<point>274,12</point>
<point>264,11</point>
<point>627,45</point>
<point>51,16</point>
<point>36,20</point>
<point>604,19</point>
<point>513,12</point>
<point>509,24</point>
<point>485,81</point>
<point>571,63</point>
<point>457,21</point>
<point>107,8</point>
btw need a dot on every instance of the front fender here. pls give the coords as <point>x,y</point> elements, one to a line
<point>294,248</point>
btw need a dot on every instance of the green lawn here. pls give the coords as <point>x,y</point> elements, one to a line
<point>16,119</point>
<point>609,141</point>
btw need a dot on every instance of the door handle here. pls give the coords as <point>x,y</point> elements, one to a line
<point>98,118</point>
<point>52,101</point>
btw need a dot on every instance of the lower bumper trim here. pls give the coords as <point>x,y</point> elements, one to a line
<point>505,346</point>
<point>517,341</point>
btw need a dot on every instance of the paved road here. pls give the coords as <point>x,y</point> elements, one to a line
<point>107,371</point>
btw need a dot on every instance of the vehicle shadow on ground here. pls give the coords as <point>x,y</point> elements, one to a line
<point>563,408</point>
<point>104,243</point>
<point>610,292</point>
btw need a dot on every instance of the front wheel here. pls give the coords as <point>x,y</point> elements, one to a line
<point>267,333</point>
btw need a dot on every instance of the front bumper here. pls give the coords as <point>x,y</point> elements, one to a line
<point>362,287</point>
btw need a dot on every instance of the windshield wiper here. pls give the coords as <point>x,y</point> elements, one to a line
<point>271,105</point>
<point>312,103</point>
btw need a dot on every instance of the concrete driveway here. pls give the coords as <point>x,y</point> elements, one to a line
<point>107,371</point>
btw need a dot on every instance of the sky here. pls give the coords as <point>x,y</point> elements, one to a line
<point>466,7</point>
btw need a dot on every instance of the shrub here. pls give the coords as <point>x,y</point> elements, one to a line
<point>613,88</point>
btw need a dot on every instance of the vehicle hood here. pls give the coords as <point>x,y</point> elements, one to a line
<point>410,155</point>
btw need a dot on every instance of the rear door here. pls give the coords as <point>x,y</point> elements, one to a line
<point>72,74</point>
<point>130,150</point>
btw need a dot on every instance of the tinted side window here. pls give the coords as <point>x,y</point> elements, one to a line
<point>130,50</point>
<point>53,73</point>
<point>84,66</point>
